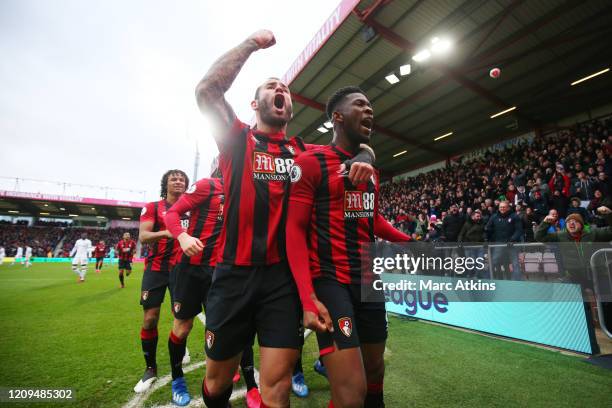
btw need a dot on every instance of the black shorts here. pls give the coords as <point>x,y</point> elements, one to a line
<point>190,285</point>
<point>153,288</point>
<point>102,260</point>
<point>126,265</point>
<point>248,300</point>
<point>355,322</point>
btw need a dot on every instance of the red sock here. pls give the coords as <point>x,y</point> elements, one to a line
<point>175,339</point>
<point>148,334</point>
<point>331,404</point>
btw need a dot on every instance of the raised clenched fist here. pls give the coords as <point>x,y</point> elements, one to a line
<point>263,38</point>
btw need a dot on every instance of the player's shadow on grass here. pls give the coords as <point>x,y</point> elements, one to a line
<point>101,296</point>
<point>54,285</point>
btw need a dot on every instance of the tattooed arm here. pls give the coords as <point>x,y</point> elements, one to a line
<point>211,89</point>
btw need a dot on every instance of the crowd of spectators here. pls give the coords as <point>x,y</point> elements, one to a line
<point>44,239</point>
<point>566,172</point>
<point>40,239</point>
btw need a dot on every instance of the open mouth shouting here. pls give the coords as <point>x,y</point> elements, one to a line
<point>279,101</point>
<point>367,123</point>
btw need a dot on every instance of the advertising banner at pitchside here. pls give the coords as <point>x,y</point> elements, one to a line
<point>561,323</point>
<point>55,260</point>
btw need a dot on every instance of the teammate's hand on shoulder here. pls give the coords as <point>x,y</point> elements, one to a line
<point>359,172</point>
<point>263,38</point>
<point>603,210</point>
<point>167,234</point>
<point>190,245</point>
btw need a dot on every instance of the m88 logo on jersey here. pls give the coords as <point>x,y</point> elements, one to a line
<point>268,167</point>
<point>358,204</point>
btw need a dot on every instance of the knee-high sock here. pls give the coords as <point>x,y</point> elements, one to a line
<point>374,397</point>
<point>176,348</point>
<point>148,338</point>
<point>248,369</point>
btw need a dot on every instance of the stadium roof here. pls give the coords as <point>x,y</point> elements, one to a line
<point>14,203</point>
<point>541,47</point>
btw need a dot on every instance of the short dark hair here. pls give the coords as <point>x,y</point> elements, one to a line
<point>338,96</point>
<point>164,181</point>
<point>259,87</point>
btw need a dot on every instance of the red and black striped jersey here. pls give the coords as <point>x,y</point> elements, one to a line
<point>204,201</point>
<point>99,250</point>
<point>255,168</point>
<point>163,253</point>
<point>343,214</point>
<point>126,249</point>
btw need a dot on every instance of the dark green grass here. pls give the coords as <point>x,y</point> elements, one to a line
<point>60,334</point>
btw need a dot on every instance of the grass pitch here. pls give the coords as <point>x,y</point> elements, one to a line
<point>60,334</point>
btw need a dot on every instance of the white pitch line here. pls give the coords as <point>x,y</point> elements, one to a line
<point>139,399</point>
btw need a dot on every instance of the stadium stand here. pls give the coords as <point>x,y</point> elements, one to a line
<point>523,174</point>
<point>41,239</point>
<point>45,239</point>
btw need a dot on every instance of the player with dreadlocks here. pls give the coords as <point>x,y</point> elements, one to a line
<point>159,262</point>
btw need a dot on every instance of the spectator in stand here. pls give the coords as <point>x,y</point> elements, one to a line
<point>452,224</point>
<point>575,208</point>
<point>560,203</point>
<point>603,184</point>
<point>539,205</point>
<point>473,232</point>
<point>434,233</point>
<point>560,181</point>
<point>582,187</point>
<point>505,227</point>
<point>556,224</point>
<point>531,224</point>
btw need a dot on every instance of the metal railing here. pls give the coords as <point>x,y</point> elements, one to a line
<point>596,289</point>
<point>495,245</point>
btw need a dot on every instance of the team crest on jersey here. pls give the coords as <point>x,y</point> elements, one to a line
<point>143,211</point>
<point>177,307</point>
<point>191,189</point>
<point>145,294</point>
<point>220,213</point>
<point>295,174</point>
<point>210,339</point>
<point>346,326</point>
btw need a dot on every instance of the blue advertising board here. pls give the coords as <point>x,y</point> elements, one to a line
<point>560,322</point>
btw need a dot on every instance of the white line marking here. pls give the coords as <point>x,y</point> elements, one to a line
<point>139,399</point>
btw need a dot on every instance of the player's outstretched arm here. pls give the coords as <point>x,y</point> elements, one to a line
<point>384,230</point>
<point>211,89</point>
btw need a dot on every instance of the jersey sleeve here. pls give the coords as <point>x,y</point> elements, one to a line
<point>148,213</point>
<point>232,136</point>
<point>193,197</point>
<point>305,177</point>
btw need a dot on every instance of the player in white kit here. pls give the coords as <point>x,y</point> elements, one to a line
<point>18,255</point>
<point>80,253</point>
<point>2,255</point>
<point>28,256</point>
